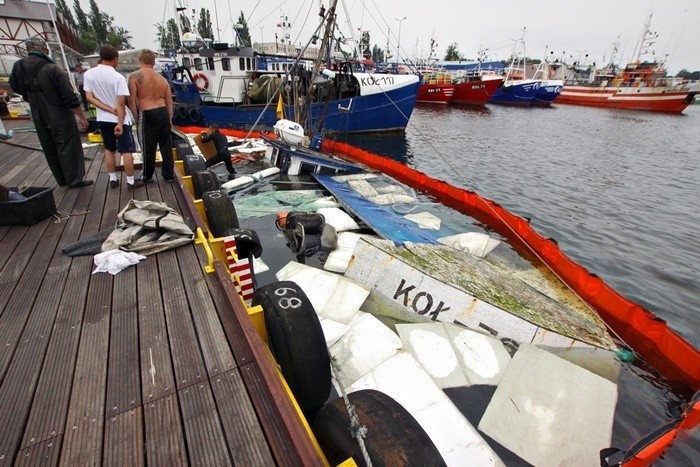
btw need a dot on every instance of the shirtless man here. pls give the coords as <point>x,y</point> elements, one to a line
<point>151,103</point>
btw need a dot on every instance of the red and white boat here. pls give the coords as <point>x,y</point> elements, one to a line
<point>475,89</point>
<point>642,85</point>
<point>436,88</point>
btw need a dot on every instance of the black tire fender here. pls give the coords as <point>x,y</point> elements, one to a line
<point>393,436</point>
<point>195,115</point>
<point>247,242</point>
<point>181,111</point>
<point>203,181</point>
<point>296,339</point>
<point>221,213</point>
<point>193,163</point>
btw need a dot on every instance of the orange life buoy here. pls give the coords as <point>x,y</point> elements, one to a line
<point>205,81</point>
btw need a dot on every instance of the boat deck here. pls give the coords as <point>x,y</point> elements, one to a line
<point>158,364</point>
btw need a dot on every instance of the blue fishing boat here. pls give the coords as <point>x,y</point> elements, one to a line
<point>549,88</point>
<point>516,89</point>
<point>516,92</point>
<point>235,87</point>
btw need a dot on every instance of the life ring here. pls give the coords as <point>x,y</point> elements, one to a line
<point>205,81</point>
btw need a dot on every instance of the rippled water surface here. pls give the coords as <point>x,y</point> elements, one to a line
<point>619,190</point>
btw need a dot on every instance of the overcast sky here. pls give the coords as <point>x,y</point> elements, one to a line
<point>567,28</point>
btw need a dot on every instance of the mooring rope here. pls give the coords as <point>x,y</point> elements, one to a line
<point>62,216</point>
<point>357,430</point>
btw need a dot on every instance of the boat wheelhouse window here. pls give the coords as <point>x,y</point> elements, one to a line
<point>186,61</point>
<point>307,168</point>
<point>241,63</point>
<point>210,63</point>
<point>198,64</point>
<point>248,64</point>
<point>226,64</point>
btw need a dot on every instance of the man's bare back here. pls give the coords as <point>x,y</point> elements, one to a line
<point>149,90</point>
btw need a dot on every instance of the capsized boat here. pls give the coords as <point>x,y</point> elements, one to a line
<point>641,85</point>
<point>396,248</point>
<point>235,87</point>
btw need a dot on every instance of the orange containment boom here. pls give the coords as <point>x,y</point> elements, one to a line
<point>648,335</point>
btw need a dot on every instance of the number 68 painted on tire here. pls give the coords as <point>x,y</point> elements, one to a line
<point>296,340</point>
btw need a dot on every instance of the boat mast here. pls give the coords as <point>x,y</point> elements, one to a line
<point>324,50</point>
<point>647,39</point>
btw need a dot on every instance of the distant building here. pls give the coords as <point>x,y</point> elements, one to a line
<point>21,19</point>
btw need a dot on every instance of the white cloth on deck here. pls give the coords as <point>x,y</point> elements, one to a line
<point>113,261</point>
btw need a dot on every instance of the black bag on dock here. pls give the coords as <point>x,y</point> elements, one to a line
<point>38,205</point>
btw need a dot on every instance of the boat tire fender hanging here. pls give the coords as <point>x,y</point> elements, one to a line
<point>296,340</point>
<point>247,242</point>
<point>221,214</point>
<point>197,77</point>
<point>195,115</point>
<point>393,436</point>
<point>181,111</point>
<point>193,163</point>
<point>203,181</point>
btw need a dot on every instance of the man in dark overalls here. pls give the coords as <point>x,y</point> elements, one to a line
<point>54,106</point>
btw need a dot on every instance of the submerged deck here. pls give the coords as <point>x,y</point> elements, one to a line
<point>158,364</point>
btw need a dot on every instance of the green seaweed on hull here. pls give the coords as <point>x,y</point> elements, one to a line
<point>504,288</point>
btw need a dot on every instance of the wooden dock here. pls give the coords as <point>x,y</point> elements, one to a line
<point>156,365</point>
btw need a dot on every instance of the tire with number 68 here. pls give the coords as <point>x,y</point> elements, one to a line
<point>296,339</point>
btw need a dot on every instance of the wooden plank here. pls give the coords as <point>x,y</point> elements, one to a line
<point>123,379</point>
<point>13,236</point>
<point>204,435</point>
<point>241,425</point>
<point>124,440</point>
<point>165,440</point>
<point>82,441</point>
<point>18,385</point>
<point>21,259</point>
<point>14,324</point>
<point>5,294</point>
<point>212,340</point>
<point>155,343</point>
<point>4,230</point>
<point>47,417</point>
<point>234,332</point>
<point>19,164</point>
<point>46,453</point>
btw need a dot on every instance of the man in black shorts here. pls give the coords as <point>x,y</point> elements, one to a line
<point>222,152</point>
<point>107,90</point>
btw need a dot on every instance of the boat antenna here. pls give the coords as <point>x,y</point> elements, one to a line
<point>646,40</point>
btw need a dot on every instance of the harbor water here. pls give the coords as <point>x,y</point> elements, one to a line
<point>618,190</point>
